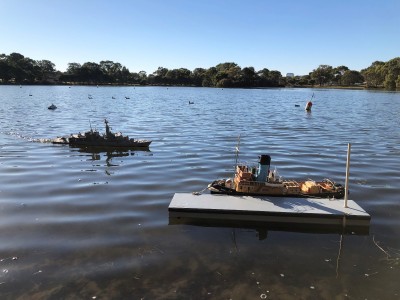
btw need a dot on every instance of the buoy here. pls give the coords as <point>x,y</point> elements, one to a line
<point>308,106</point>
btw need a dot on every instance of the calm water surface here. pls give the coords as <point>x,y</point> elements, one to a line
<point>76,224</point>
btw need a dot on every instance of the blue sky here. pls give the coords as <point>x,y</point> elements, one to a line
<point>288,36</point>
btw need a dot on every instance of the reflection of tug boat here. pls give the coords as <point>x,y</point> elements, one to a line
<point>264,182</point>
<point>93,138</point>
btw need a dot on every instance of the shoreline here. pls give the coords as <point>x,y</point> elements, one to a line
<point>360,87</point>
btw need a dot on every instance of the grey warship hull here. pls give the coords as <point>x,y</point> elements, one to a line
<point>83,142</point>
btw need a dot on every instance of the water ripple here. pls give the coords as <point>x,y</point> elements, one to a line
<point>92,223</point>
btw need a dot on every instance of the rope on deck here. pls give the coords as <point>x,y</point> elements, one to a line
<point>199,193</point>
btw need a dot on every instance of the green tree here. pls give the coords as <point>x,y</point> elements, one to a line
<point>303,80</point>
<point>398,82</point>
<point>112,72</point>
<point>390,81</point>
<point>352,77</point>
<point>47,69</point>
<point>267,78</point>
<point>322,75</point>
<point>125,75</point>
<point>74,68</point>
<point>209,78</point>
<point>374,75</point>
<point>72,74</point>
<point>248,77</point>
<point>179,76</point>
<point>5,68</point>
<point>275,78</point>
<point>184,76</point>
<point>263,77</point>
<point>135,78</point>
<point>159,76</point>
<point>198,76</point>
<point>22,69</point>
<point>337,74</point>
<point>227,73</point>
<point>142,77</point>
<point>91,72</point>
<point>392,71</point>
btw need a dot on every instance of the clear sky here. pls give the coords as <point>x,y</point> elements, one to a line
<point>285,35</point>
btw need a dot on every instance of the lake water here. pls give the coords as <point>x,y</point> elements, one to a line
<point>84,225</point>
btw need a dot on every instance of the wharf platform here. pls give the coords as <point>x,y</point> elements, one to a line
<point>275,213</point>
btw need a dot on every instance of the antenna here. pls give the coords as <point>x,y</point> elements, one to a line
<point>346,187</point>
<point>236,154</point>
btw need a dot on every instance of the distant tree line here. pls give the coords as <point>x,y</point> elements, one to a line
<point>15,68</point>
<point>386,74</point>
<point>222,75</point>
<point>19,69</point>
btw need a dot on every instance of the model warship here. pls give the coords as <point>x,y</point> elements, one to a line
<point>93,138</point>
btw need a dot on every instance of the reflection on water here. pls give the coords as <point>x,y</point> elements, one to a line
<point>109,152</point>
<point>84,224</point>
<point>262,228</point>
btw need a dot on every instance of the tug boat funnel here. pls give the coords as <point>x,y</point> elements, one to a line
<point>263,167</point>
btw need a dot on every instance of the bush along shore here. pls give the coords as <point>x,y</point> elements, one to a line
<point>18,69</point>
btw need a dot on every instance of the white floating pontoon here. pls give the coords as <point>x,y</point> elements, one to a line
<point>315,214</point>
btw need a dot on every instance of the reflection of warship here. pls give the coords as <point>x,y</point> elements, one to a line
<point>93,138</point>
<point>107,152</point>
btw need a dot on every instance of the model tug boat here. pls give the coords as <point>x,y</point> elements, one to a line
<point>251,181</point>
